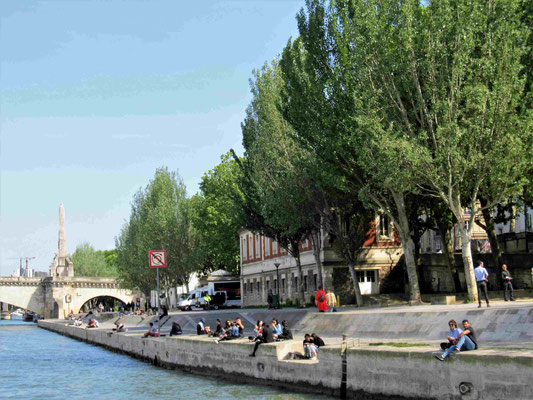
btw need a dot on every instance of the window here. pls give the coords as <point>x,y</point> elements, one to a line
<point>275,285</point>
<point>384,225</point>
<point>268,285</point>
<point>267,246</point>
<point>283,285</point>
<point>250,247</point>
<point>244,249</point>
<point>370,276</point>
<point>274,247</point>
<point>360,276</point>
<point>305,243</point>
<point>257,246</point>
<point>257,286</point>
<point>250,287</point>
<point>315,282</point>
<point>529,222</point>
<point>305,283</point>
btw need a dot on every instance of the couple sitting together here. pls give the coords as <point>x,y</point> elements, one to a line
<point>231,330</point>
<point>311,344</point>
<point>458,339</point>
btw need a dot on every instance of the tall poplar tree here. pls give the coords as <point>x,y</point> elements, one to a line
<point>423,98</point>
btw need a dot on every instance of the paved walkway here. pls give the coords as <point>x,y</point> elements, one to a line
<point>505,325</point>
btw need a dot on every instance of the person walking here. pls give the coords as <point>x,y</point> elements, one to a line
<point>331,299</point>
<point>507,284</point>
<point>482,277</point>
<point>320,300</point>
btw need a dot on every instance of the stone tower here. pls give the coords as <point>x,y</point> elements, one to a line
<point>62,265</point>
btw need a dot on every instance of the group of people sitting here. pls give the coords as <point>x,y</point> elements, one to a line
<point>458,339</point>
<point>312,342</point>
<point>234,329</point>
<point>265,333</point>
<point>231,329</point>
<point>93,323</point>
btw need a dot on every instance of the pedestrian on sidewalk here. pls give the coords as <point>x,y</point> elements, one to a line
<point>331,299</point>
<point>507,284</point>
<point>482,277</point>
<point>320,300</point>
<point>270,299</point>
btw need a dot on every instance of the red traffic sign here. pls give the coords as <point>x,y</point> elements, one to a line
<point>158,258</point>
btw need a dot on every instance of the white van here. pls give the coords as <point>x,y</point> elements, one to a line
<point>195,300</point>
<point>225,296</point>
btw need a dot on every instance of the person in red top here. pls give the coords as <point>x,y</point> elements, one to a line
<point>320,300</point>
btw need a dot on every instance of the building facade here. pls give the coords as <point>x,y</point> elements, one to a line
<point>265,265</point>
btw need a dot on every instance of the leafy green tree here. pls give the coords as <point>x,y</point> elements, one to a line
<point>218,216</point>
<point>160,219</point>
<point>422,98</point>
<point>327,103</point>
<point>90,262</point>
<point>282,200</point>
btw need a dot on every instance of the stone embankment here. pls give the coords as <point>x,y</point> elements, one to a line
<point>503,371</point>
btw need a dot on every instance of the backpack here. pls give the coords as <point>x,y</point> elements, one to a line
<point>321,297</point>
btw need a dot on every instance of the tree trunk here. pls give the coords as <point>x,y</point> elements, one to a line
<point>408,249</point>
<point>418,262</point>
<point>301,294</point>
<point>447,250</point>
<point>466,251</point>
<point>357,289</point>
<point>490,229</point>
<point>315,240</point>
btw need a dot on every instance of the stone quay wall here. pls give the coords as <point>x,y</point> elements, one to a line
<point>370,372</point>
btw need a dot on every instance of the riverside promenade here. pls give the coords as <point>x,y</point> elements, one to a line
<point>370,367</point>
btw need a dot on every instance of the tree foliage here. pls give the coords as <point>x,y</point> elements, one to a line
<point>218,215</point>
<point>94,263</point>
<point>409,98</point>
<point>160,219</point>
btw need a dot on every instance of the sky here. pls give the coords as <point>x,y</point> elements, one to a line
<point>95,95</point>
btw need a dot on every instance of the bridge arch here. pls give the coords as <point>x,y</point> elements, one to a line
<point>77,305</point>
<point>25,293</point>
<point>54,297</point>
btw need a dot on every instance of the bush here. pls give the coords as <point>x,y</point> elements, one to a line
<point>288,303</point>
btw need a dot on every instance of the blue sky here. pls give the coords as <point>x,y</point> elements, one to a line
<point>95,95</point>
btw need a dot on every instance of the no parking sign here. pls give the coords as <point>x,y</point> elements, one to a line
<point>158,258</point>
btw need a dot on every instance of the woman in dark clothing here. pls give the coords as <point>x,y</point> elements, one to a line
<point>287,334</point>
<point>176,329</point>
<point>218,329</point>
<point>317,340</point>
<point>265,337</point>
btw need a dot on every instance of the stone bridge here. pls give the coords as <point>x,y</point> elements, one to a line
<point>55,297</point>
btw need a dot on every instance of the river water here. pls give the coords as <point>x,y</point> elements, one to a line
<point>38,364</point>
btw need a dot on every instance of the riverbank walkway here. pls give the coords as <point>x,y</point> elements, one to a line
<point>374,364</point>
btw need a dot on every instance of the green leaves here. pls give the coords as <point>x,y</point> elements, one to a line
<point>217,216</point>
<point>160,219</point>
<point>97,263</point>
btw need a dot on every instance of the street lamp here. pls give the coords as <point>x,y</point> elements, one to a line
<point>277,284</point>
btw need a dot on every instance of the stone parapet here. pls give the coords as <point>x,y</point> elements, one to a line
<point>370,373</point>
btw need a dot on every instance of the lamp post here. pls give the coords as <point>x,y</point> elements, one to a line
<point>277,285</point>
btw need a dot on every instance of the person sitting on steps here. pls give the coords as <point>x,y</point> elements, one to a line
<point>265,337</point>
<point>175,329</point>
<point>460,340</point>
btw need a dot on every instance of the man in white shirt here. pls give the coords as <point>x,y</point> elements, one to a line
<point>482,277</point>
